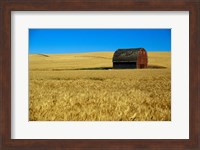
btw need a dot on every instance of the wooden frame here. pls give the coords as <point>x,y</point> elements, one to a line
<point>6,6</point>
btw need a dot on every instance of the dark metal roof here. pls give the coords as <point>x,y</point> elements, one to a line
<point>126,55</point>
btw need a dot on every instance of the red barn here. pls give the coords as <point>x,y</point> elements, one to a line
<point>130,58</point>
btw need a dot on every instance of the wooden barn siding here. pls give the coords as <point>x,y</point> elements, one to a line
<point>142,59</point>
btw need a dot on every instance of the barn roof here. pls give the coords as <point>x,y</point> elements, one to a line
<point>126,55</point>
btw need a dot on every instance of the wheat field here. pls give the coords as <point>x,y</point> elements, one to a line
<point>84,87</point>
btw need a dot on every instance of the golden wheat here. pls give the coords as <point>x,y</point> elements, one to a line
<point>83,87</point>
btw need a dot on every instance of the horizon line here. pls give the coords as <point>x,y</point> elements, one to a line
<point>91,52</point>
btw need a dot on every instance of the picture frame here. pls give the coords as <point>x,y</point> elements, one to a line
<point>7,6</point>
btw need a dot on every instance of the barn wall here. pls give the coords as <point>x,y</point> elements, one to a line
<point>142,59</point>
<point>124,65</point>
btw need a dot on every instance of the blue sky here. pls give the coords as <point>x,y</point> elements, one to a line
<point>63,41</point>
